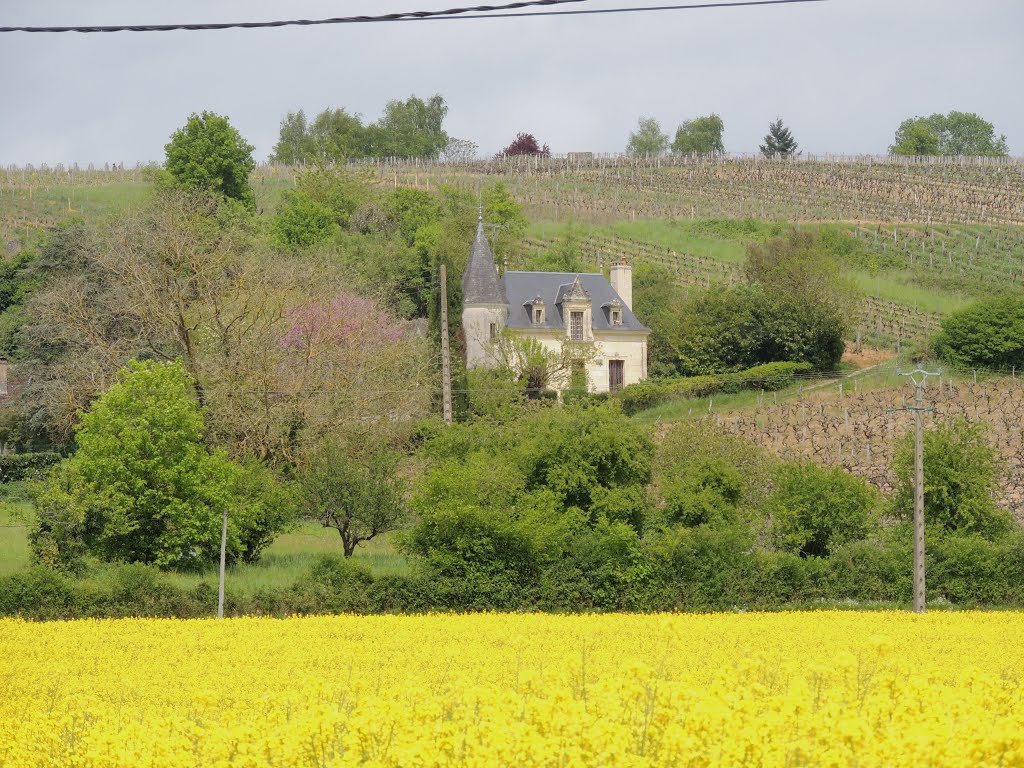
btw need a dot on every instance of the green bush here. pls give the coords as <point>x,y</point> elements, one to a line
<point>872,571</point>
<point>474,560</point>
<point>961,472</point>
<point>773,376</point>
<point>144,486</point>
<point>302,222</point>
<point>583,398</point>
<point>37,593</point>
<point>653,392</point>
<point>987,334</point>
<point>333,584</point>
<point>816,509</point>
<point>21,466</point>
<point>968,570</point>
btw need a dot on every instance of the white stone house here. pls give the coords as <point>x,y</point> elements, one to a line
<point>555,308</point>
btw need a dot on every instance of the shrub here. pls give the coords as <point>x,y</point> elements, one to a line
<point>872,570</point>
<point>37,593</point>
<point>966,570</point>
<point>22,466</point>
<point>333,584</point>
<point>987,334</point>
<point>653,392</point>
<point>701,568</point>
<point>815,509</point>
<point>960,475</point>
<point>773,376</point>
<point>302,222</point>
<point>473,559</point>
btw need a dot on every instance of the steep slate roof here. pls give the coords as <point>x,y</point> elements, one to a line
<point>480,280</point>
<point>523,287</point>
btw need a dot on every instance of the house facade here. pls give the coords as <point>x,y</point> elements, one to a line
<point>587,311</point>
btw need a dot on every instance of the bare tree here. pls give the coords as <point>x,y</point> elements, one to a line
<point>279,357</point>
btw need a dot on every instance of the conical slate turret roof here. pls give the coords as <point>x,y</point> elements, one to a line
<point>480,283</point>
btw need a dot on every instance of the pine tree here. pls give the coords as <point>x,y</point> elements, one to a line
<point>779,142</point>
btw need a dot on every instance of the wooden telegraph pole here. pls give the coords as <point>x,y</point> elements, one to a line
<point>223,558</point>
<point>918,377</point>
<point>446,360</point>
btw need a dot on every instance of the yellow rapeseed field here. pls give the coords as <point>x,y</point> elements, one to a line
<point>790,689</point>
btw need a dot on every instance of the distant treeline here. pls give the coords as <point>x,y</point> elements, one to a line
<point>410,128</point>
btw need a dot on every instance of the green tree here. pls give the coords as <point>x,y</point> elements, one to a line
<point>700,136</point>
<point>816,509</point>
<point>956,133</point>
<point>986,334</point>
<point>916,137</point>
<point>509,224</point>
<point>209,154</point>
<point>658,300</point>
<point>143,486</point>
<point>718,331</point>
<point>807,302</point>
<point>335,136</point>
<point>353,487</point>
<point>779,141</point>
<point>961,471</point>
<point>648,138</point>
<point>703,477</point>
<point>294,143</point>
<point>410,128</point>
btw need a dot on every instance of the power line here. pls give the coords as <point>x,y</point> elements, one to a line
<point>400,16</point>
<point>452,14</point>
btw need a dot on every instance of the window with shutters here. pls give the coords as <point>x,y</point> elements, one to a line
<point>576,326</point>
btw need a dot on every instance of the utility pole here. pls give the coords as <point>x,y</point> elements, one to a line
<point>223,557</point>
<point>446,359</point>
<point>918,377</point>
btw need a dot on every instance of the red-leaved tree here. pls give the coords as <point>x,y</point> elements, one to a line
<point>525,144</point>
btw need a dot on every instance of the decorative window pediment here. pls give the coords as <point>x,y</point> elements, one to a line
<point>576,292</point>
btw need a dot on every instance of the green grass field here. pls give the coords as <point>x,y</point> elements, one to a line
<point>14,519</point>
<point>289,557</point>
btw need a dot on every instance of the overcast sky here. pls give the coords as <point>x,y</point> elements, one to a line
<point>842,73</point>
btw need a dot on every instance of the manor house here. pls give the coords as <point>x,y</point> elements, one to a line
<point>554,308</point>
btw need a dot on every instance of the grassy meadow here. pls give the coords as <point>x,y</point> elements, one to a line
<point>288,557</point>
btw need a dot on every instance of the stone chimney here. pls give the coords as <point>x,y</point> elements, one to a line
<point>622,282</point>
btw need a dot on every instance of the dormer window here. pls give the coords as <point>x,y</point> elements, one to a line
<point>576,311</point>
<point>615,312</point>
<point>535,309</point>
